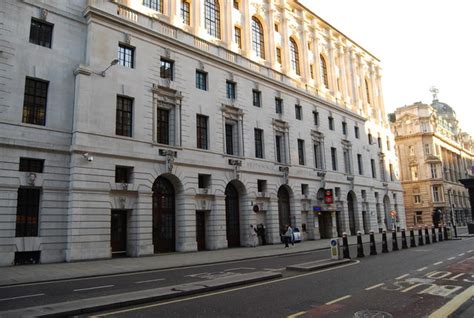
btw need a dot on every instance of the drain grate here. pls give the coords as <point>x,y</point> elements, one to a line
<point>372,314</point>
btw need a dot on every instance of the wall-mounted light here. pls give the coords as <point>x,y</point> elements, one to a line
<point>114,62</point>
<point>88,157</point>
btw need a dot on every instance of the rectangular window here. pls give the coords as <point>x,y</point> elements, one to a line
<point>344,128</point>
<point>156,5</point>
<point>201,80</point>
<point>31,165</point>
<point>318,155</point>
<point>356,132</point>
<point>434,171</point>
<point>123,174</point>
<point>417,199</point>
<point>229,139</point>
<point>316,118</point>
<point>347,161</point>
<point>278,55</point>
<point>41,33</point>
<point>204,181</point>
<point>256,97</point>
<point>126,55</point>
<point>379,142</point>
<point>360,164</point>
<point>436,194</point>
<point>258,143</point>
<point>414,173</point>
<point>261,185</point>
<point>35,99</point>
<point>201,131</point>
<point>419,217</point>
<point>230,89</point>
<point>388,144</point>
<point>162,126</point>
<point>390,167</point>
<point>278,105</point>
<point>299,112</point>
<point>27,211</point>
<point>301,159</point>
<point>311,70</point>
<point>276,27</point>
<point>236,4</point>
<point>369,137</point>
<point>185,12</point>
<point>238,37</point>
<point>334,158</point>
<point>372,166</point>
<point>427,149</point>
<point>166,69</point>
<point>304,189</point>
<point>124,116</point>
<point>280,148</point>
<point>331,123</point>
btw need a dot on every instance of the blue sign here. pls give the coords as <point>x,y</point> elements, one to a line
<point>333,242</point>
<point>316,208</point>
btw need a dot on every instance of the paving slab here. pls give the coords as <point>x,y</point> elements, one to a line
<point>312,266</point>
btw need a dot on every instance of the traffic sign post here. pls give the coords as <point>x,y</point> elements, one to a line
<point>334,246</point>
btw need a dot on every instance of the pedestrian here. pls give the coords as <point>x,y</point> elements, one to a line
<point>292,235</point>
<point>253,236</point>
<point>288,236</point>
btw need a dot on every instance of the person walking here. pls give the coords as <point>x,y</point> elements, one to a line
<point>253,236</point>
<point>288,236</point>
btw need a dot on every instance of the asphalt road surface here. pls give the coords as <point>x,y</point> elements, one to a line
<point>406,283</point>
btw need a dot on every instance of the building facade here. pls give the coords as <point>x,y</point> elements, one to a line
<point>434,154</point>
<point>152,126</point>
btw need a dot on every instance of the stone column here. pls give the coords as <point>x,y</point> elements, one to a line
<point>246,29</point>
<point>342,72</point>
<point>273,225</point>
<point>197,17</point>
<point>334,223</point>
<point>355,89</point>
<point>227,27</point>
<point>380,93</point>
<point>317,61</point>
<point>304,67</point>
<point>217,225</point>
<point>332,63</point>
<point>140,235</point>
<point>186,223</point>
<point>270,48</point>
<point>285,55</point>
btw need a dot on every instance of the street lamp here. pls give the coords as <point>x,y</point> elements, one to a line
<point>114,62</point>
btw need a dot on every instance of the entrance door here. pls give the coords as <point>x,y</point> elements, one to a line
<point>201,230</point>
<point>163,216</point>
<point>283,208</point>
<point>232,216</point>
<point>325,225</point>
<point>350,208</point>
<point>339,224</point>
<point>118,232</point>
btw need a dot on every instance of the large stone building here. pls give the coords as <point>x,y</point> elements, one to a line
<point>434,154</point>
<point>151,126</point>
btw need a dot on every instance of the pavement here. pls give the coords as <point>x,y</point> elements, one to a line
<point>15,275</point>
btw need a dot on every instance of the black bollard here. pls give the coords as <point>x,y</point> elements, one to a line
<point>440,234</point>
<point>412,238</point>
<point>360,247</point>
<point>373,248</point>
<point>404,240</point>
<point>384,242</point>
<point>445,231</point>
<point>427,236</point>
<point>433,234</point>
<point>345,246</point>
<point>420,237</point>
<point>394,241</point>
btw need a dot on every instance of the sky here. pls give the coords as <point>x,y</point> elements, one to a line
<point>420,43</point>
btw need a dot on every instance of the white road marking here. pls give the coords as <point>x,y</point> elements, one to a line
<point>275,269</point>
<point>403,276</point>
<point>470,251</point>
<point>90,288</point>
<point>18,297</point>
<point>451,258</point>
<point>422,269</point>
<point>462,254</point>
<point>375,286</point>
<point>224,291</point>
<point>149,281</point>
<point>339,299</point>
<point>437,263</point>
<point>297,314</point>
<point>453,304</point>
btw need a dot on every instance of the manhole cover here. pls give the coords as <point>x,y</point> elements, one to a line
<point>372,314</point>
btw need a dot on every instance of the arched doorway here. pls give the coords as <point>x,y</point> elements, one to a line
<point>164,232</point>
<point>386,208</point>
<point>232,219</point>
<point>283,207</point>
<point>351,211</point>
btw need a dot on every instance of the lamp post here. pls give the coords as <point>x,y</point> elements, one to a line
<point>451,212</point>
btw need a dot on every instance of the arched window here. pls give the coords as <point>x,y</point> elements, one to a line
<point>258,43</point>
<point>367,91</point>
<point>213,18</point>
<point>294,57</point>
<point>324,71</point>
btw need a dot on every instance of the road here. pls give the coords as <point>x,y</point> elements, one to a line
<point>407,283</point>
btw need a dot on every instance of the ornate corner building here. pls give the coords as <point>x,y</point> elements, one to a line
<point>147,126</point>
<point>434,155</point>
